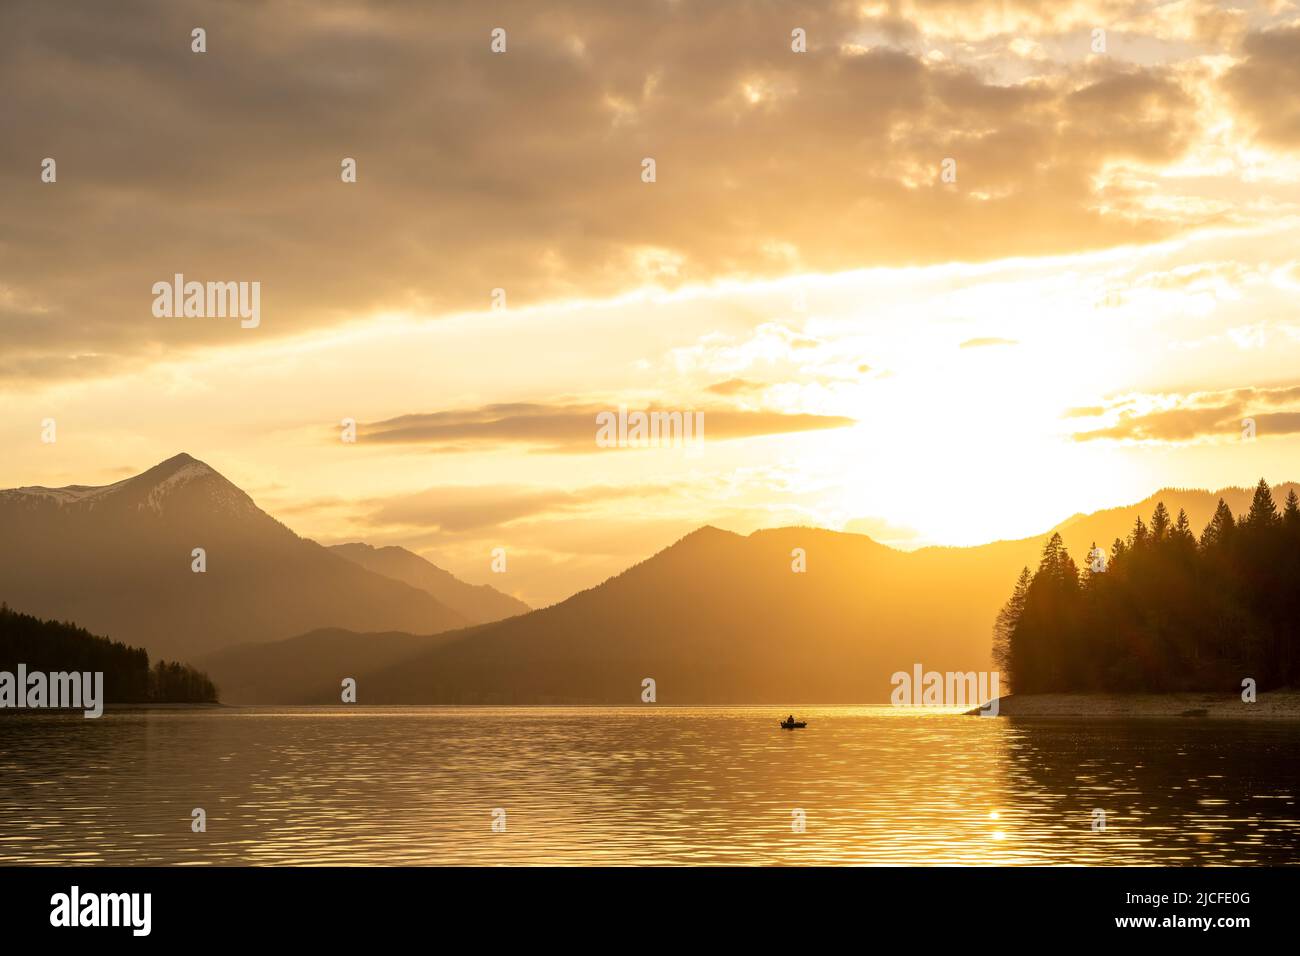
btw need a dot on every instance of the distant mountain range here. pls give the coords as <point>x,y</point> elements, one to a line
<point>715,618</point>
<point>117,560</point>
<point>478,603</point>
<point>721,618</point>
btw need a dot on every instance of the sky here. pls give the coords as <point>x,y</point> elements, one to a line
<point>952,273</point>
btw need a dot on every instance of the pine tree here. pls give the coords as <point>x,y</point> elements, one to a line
<point>1291,513</point>
<point>1051,554</point>
<point>1219,531</point>
<point>1160,523</point>
<point>1004,627</point>
<point>1096,561</point>
<point>1263,512</point>
<point>1171,617</point>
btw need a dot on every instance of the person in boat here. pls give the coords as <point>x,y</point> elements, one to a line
<point>790,719</point>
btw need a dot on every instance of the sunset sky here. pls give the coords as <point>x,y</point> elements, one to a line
<point>1085,316</point>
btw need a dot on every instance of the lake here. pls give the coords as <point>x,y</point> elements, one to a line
<point>642,785</point>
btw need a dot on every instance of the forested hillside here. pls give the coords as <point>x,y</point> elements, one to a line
<point>51,646</point>
<point>1163,610</point>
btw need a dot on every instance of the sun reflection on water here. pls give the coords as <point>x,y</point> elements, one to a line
<point>647,785</point>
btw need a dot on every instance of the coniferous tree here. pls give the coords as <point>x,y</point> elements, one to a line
<point>1291,512</point>
<point>1182,532</point>
<point>1288,599</point>
<point>1096,562</point>
<point>64,647</point>
<point>1169,613</point>
<point>1263,512</point>
<point>1137,538</point>
<point>1219,530</point>
<point>1160,523</point>
<point>1007,620</point>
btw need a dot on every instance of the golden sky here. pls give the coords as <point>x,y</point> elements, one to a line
<point>1085,315</point>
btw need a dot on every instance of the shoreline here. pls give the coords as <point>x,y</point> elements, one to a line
<point>115,708</point>
<point>1270,705</point>
<point>177,705</point>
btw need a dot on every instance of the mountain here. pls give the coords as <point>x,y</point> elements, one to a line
<point>309,668</point>
<point>1081,530</point>
<point>1105,526</point>
<point>716,617</point>
<point>722,618</point>
<point>117,559</point>
<point>478,604</point>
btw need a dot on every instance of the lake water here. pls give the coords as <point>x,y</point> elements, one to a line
<point>648,785</point>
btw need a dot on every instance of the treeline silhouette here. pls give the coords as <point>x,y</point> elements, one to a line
<point>1164,611</point>
<point>128,679</point>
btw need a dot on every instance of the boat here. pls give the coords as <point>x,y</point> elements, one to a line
<point>793,724</point>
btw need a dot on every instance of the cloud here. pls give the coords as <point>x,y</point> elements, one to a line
<point>455,509</point>
<point>736,386</point>
<point>565,428</point>
<point>518,171</point>
<point>986,342</point>
<point>1263,84</point>
<point>1178,419</point>
<point>558,540</point>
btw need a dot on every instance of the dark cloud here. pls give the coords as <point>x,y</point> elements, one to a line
<point>1264,84</point>
<point>564,428</point>
<point>519,171</point>
<point>455,510</point>
<point>1200,415</point>
<point>1172,425</point>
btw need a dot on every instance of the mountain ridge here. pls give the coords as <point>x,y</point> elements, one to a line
<point>477,603</point>
<point>721,617</point>
<point>716,616</point>
<point>91,553</point>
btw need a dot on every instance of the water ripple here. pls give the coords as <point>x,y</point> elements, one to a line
<point>649,785</point>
